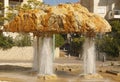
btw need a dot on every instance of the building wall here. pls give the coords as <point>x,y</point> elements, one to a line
<point>101,7</point>
<point>17,54</point>
<point>88,4</point>
<point>85,3</point>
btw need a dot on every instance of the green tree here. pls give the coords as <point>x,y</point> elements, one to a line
<point>6,42</point>
<point>59,40</point>
<point>1,14</point>
<point>110,43</point>
<point>32,4</point>
<point>23,40</point>
<point>76,46</point>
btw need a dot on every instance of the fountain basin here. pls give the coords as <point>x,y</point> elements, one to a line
<point>92,76</point>
<point>9,79</point>
<point>102,80</point>
<point>47,77</point>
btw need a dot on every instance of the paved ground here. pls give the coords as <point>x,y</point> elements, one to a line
<point>18,67</point>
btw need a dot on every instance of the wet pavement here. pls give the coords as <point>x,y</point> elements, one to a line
<point>21,71</point>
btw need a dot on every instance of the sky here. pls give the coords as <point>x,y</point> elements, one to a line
<point>55,2</point>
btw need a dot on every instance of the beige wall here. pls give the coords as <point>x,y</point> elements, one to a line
<point>17,54</point>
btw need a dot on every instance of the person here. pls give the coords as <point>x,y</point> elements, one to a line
<point>103,60</point>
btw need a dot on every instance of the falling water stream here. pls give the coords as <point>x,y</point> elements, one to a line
<point>37,44</point>
<point>36,58</point>
<point>89,56</point>
<point>46,60</point>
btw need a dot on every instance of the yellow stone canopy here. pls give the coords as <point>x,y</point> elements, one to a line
<point>63,18</point>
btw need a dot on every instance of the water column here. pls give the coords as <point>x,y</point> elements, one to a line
<point>89,56</point>
<point>46,65</point>
<point>37,44</point>
<point>34,67</point>
<point>46,59</point>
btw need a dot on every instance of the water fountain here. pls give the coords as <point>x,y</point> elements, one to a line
<point>35,60</point>
<point>64,18</point>
<point>90,59</point>
<point>89,56</point>
<point>46,59</point>
<point>43,57</point>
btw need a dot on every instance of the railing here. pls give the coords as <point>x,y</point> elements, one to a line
<point>117,14</point>
<point>114,14</point>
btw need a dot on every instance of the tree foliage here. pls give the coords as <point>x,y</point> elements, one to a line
<point>73,44</point>
<point>76,46</point>
<point>1,14</point>
<point>6,42</point>
<point>110,43</point>
<point>22,40</point>
<point>30,5</point>
<point>59,40</point>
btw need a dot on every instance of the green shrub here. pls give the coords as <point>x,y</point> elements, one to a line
<point>110,43</point>
<point>23,40</point>
<point>59,40</point>
<point>6,42</point>
<point>76,46</point>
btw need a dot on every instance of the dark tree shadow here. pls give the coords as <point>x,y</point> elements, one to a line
<point>17,69</point>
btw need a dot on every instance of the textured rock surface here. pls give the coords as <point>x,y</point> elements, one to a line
<point>65,18</point>
<point>93,76</point>
<point>47,77</point>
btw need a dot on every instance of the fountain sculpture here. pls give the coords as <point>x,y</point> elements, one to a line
<point>36,47</point>
<point>89,56</point>
<point>90,59</point>
<point>64,18</point>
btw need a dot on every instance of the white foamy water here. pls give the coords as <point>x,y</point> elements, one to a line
<point>89,56</point>
<point>46,62</point>
<point>37,44</point>
<point>35,61</point>
<point>102,80</point>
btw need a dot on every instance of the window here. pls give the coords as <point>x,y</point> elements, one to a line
<point>101,10</point>
<point>117,12</point>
